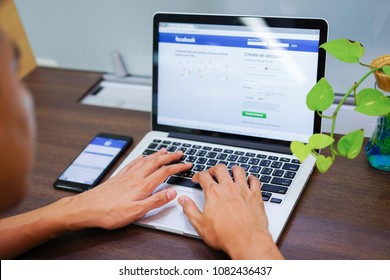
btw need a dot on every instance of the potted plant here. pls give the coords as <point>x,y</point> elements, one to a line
<point>368,101</point>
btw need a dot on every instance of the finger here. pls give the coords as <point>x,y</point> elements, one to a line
<point>203,178</point>
<point>239,175</point>
<point>164,172</point>
<point>130,165</point>
<point>141,161</point>
<point>221,173</point>
<point>157,200</point>
<point>192,212</point>
<point>254,185</point>
<point>154,162</point>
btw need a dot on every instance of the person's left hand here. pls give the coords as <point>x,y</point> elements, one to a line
<point>127,196</point>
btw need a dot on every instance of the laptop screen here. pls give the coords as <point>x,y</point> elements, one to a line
<point>240,76</point>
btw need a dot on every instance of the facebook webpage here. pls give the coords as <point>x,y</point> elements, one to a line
<point>239,82</point>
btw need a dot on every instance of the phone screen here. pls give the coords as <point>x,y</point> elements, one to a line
<point>92,163</point>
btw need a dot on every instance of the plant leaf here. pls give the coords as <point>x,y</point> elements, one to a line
<point>344,50</point>
<point>320,141</point>
<point>372,102</point>
<point>386,70</point>
<point>323,163</point>
<point>300,150</point>
<point>350,144</point>
<point>321,96</point>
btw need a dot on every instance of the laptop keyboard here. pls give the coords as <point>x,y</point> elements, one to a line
<point>275,173</point>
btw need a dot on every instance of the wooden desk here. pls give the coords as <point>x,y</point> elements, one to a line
<point>341,215</point>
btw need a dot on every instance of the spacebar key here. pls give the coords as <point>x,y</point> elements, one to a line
<point>182,182</point>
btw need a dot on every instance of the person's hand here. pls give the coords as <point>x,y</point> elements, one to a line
<point>127,196</point>
<point>234,218</point>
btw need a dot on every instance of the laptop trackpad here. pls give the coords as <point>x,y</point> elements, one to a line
<point>170,217</point>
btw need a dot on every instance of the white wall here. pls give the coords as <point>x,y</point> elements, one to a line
<point>81,34</point>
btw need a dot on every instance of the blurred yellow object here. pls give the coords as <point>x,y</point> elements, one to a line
<point>382,81</point>
<point>10,23</point>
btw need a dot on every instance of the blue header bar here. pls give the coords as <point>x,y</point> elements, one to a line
<point>240,42</point>
<point>112,143</point>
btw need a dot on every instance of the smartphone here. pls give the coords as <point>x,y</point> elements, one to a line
<point>93,162</point>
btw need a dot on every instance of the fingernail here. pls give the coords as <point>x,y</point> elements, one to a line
<point>181,201</point>
<point>171,194</point>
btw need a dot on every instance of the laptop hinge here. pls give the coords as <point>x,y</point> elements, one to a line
<point>256,145</point>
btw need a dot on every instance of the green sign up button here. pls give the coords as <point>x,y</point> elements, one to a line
<point>254,114</point>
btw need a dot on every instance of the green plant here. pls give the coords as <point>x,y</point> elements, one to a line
<point>368,101</point>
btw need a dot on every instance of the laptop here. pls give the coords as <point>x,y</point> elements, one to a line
<point>232,89</point>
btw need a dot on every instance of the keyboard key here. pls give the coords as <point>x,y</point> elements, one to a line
<point>284,159</point>
<point>289,174</point>
<point>201,153</point>
<point>243,159</point>
<point>167,142</point>
<point>248,154</point>
<point>265,179</point>
<point>188,174</point>
<point>265,162</point>
<point>278,173</point>
<point>281,181</point>
<point>201,160</point>
<point>222,156</point>
<point>153,146</point>
<point>255,169</point>
<point>254,161</point>
<point>171,149</point>
<point>218,150</point>
<point>182,182</point>
<point>290,167</point>
<point>261,156</point>
<point>191,152</point>
<point>191,159</point>
<point>239,153</point>
<point>266,196</point>
<point>228,151</point>
<point>207,148</point>
<point>266,171</point>
<point>245,166</point>
<point>212,162</point>
<point>148,152</point>
<point>276,164</point>
<point>296,161</point>
<point>157,141</point>
<point>274,189</point>
<point>276,200</point>
<point>198,168</point>
<point>211,155</point>
<point>273,158</point>
<point>186,145</point>
<point>232,158</point>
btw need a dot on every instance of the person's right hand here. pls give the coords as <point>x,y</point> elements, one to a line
<point>234,218</point>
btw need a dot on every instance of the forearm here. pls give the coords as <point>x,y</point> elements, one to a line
<point>23,232</point>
